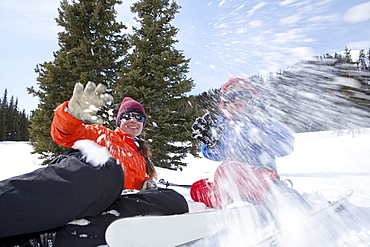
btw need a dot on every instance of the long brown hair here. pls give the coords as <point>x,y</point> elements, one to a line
<point>144,149</point>
<point>143,146</point>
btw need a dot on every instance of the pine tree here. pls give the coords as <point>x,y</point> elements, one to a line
<point>3,116</point>
<point>13,124</point>
<point>362,64</point>
<point>347,55</point>
<point>13,117</point>
<point>155,75</point>
<point>23,126</point>
<point>207,102</point>
<point>89,50</point>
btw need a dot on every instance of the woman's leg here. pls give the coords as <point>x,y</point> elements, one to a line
<point>90,231</point>
<point>50,197</point>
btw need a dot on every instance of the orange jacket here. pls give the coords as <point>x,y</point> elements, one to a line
<point>66,130</point>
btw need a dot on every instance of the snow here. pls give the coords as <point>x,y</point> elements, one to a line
<point>79,222</point>
<point>323,165</point>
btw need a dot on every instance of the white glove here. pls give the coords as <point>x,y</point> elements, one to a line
<point>149,184</point>
<point>85,103</point>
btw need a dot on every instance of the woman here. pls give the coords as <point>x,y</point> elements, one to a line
<point>68,126</point>
<point>85,184</point>
<point>248,141</point>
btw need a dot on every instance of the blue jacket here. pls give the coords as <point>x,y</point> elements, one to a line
<point>252,142</point>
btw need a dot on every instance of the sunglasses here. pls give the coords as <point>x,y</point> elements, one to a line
<point>243,94</point>
<point>129,115</point>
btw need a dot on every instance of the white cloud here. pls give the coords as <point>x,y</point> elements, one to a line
<point>290,20</point>
<point>241,30</point>
<point>286,2</point>
<point>358,13</point>
<point>256,7</point>
<point>302,52</point>
<point>292,35</point>
<point>324,18</point>
<point>255,24</point>
<point>221,3</point>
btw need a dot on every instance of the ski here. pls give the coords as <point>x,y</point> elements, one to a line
<point>173,230</point>
<point>181,230</point>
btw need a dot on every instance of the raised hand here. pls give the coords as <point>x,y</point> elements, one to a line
<point>85,103</point>
<point>205,130</point>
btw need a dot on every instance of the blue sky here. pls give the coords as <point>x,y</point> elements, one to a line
<point>223,38</point>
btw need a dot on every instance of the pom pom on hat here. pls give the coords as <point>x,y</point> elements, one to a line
<point>127,105</point>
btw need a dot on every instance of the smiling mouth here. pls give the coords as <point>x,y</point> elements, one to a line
<point>132,127</point>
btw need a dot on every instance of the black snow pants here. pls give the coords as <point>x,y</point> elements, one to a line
<point>50,198</point>
<point>90,231</point>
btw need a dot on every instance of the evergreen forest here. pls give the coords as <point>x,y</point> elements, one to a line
<point>13,123</point>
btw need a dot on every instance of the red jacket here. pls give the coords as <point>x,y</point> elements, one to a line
<point>66,130</point>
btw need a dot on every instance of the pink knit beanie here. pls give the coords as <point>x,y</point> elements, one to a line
<point>128,105</point>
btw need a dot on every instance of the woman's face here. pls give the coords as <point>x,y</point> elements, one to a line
<point>236,98</point>
<point>131,125</point>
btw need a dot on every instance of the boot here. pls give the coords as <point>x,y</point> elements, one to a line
<point>29,240</point>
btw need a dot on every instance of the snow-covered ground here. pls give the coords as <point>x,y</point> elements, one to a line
<point>323,163</point>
